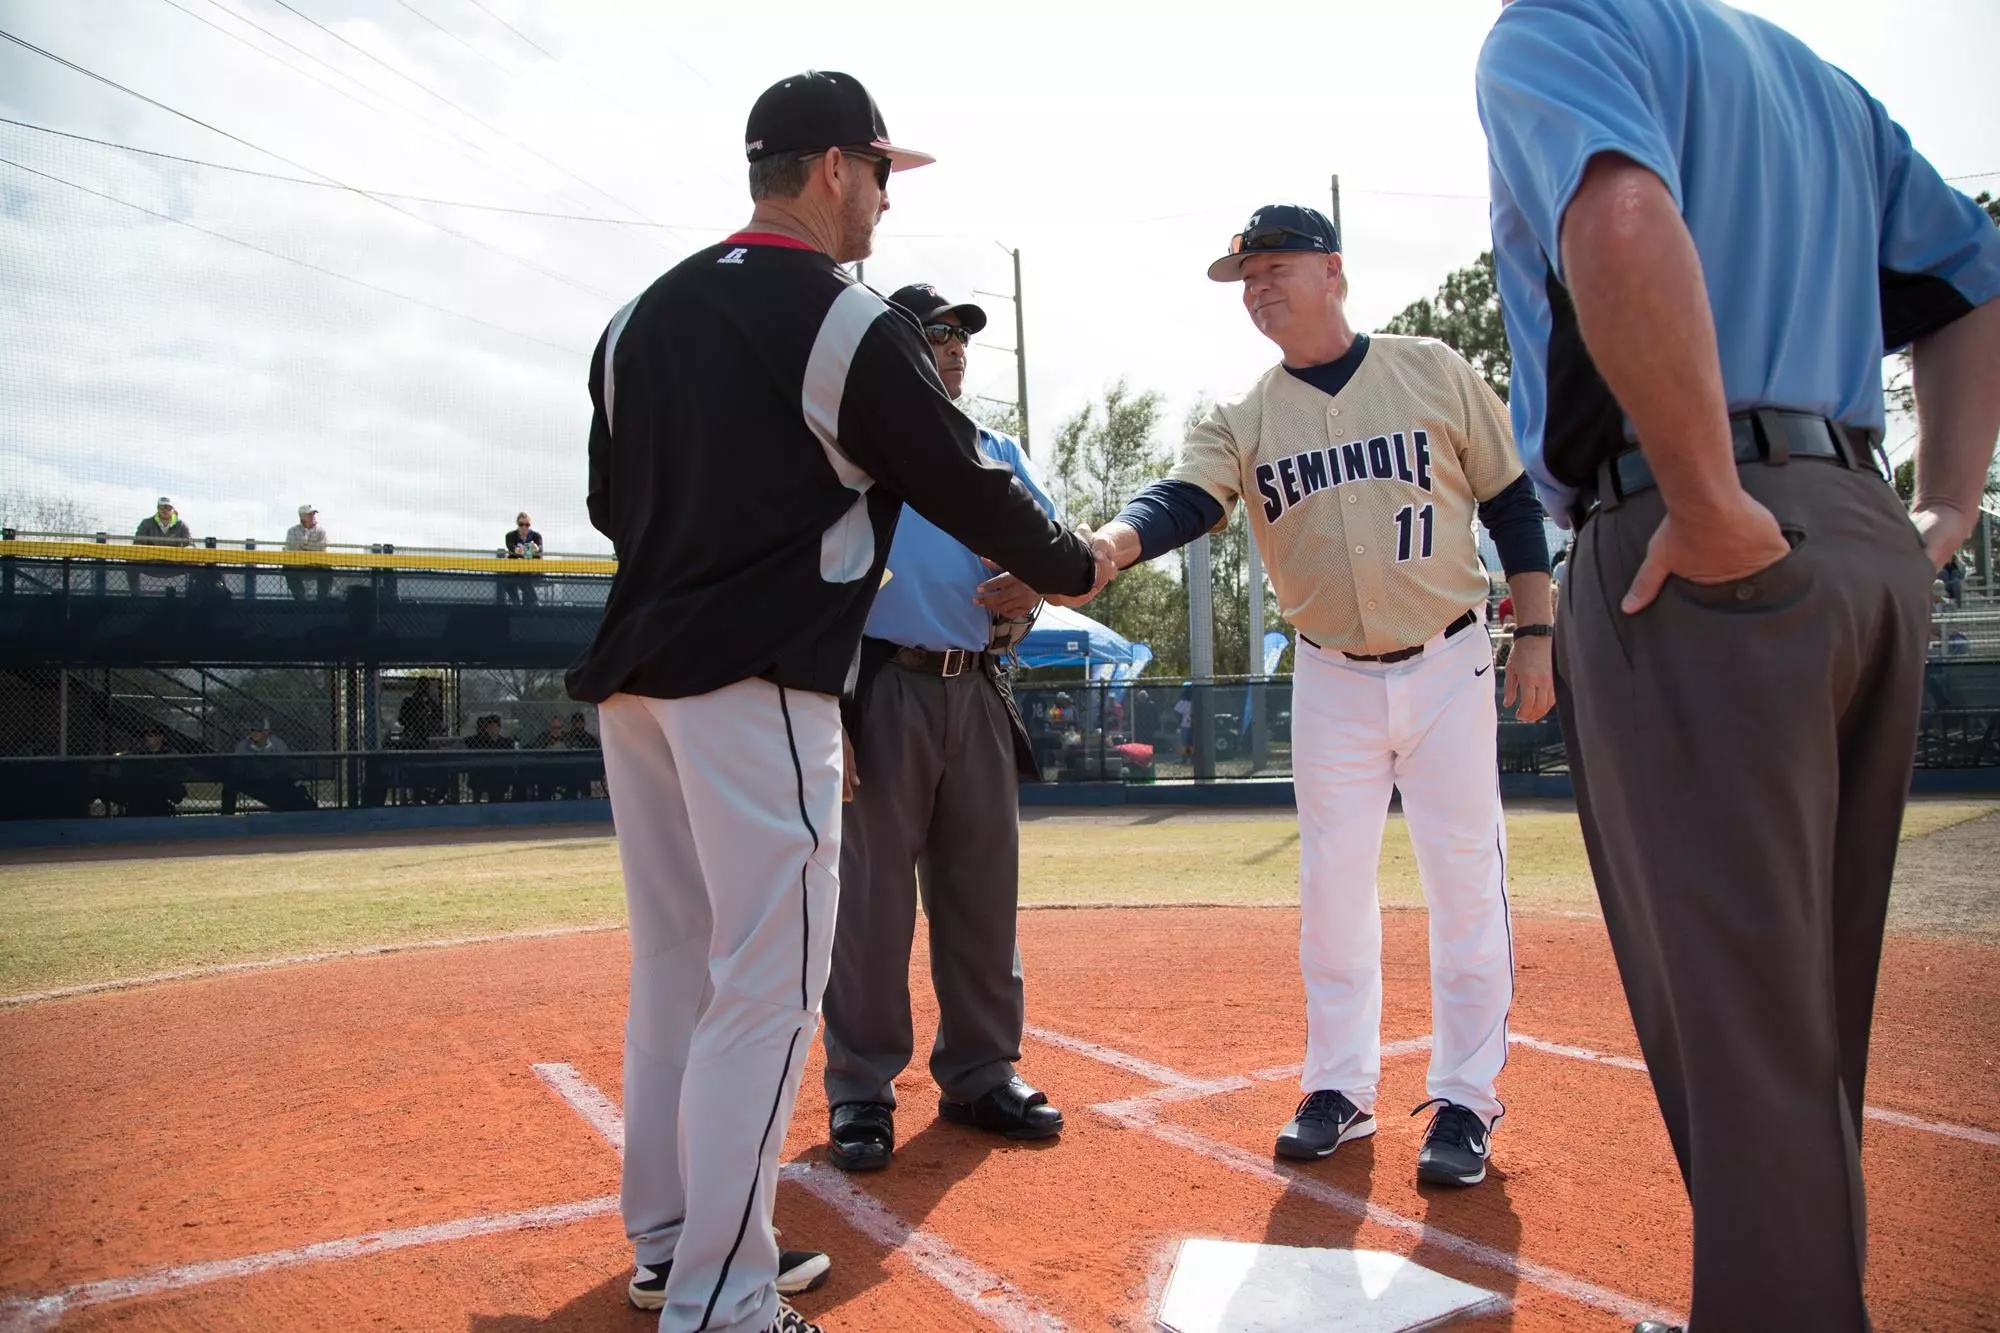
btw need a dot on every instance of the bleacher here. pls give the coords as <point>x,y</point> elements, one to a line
<point>102,642</point>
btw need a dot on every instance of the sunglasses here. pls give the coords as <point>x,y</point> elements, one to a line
<point>881,163</point>
<point>1270,238</point>
<point>940,334</point>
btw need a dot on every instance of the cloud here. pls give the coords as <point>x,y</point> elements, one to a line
<point>1116,145</point>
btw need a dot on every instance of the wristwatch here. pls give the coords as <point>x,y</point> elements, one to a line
<point>1534,631</point>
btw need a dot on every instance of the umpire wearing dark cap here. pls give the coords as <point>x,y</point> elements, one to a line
<point>760,419</point>
<point>1706,238</point>
<point>940,750</point>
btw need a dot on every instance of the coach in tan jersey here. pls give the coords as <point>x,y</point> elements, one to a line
<point>1363,461</point>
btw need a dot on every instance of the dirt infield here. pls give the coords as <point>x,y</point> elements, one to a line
<point>368,1142</point>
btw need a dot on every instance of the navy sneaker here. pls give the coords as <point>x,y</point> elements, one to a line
<point>1324,1121</point>
<point>1455,1145</point>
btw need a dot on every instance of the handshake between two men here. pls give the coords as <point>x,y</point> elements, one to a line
<point>1113,547</point>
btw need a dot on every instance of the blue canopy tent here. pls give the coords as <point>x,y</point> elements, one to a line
<point>1065,637</point>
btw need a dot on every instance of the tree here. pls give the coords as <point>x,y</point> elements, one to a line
<point>996,416</point>
<point>1102,457</point>
<point>41,513</point>
<point>1465,316</point>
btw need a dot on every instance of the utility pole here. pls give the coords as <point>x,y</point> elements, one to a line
<point>1338,234</point>
<point>1020,347</point>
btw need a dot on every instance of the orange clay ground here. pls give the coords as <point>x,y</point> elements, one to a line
<point>204,1154</point>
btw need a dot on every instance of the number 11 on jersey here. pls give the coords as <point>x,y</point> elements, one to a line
<point>1408,520</point>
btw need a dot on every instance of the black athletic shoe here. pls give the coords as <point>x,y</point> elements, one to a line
<point>1324,1121</point>
<point>1655,1326</point>
<point>791,1321</point>
<point>1455,1145</point>
<point>798,1270</point>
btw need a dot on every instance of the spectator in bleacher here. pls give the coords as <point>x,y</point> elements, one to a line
<point>554,737</point>
<point>421,716</point>
<point>1954,581</point>
<point>307,535</point>
<point>275,786</point>
<point>579,735</point>
<point>162,527</point>
<point>150,787</point>
<point>523,543</point>
<point>490,783</point>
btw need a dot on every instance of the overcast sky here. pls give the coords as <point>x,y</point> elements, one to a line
<point>1117,146</point>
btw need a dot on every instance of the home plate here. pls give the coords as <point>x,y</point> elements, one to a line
<point>1221,1286</point>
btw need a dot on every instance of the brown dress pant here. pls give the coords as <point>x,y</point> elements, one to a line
<point>1741,755</point>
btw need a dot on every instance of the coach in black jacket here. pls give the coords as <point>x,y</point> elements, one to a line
<point>761,418</point>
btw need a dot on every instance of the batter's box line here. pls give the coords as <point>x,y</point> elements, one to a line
<point>1410,1046</point>
<point>971,1285</point>
<point>1142,1114</point>
<point>44,1312</point>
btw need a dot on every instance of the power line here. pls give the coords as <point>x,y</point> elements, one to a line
<point>456,38</point>
<point>300,166</point>
<point>511,28</point>
<point>329,185</point>
<point>1973,176</point>
<point>408,116</point>
<point>494,129</point>
<point>301,263</point>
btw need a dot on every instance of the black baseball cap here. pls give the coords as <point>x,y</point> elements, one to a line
<point>821,109</point>
<point>927,303</point>
<point>1276,227</point>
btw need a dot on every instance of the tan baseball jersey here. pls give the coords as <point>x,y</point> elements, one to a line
<point>1362,503</point>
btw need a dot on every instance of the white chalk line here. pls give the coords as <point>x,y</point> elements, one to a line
<point>973,1286</point>
<point>294,960</point>
<point>598,1111</point>
<point>1142,1113</point>
<point>45,1311</point>
<point>1900,1119</point>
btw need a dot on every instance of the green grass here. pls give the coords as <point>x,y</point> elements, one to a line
<point>72,922</point>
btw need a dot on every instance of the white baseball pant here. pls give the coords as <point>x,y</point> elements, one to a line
<point>727,807</point>
<point>1428,727</point>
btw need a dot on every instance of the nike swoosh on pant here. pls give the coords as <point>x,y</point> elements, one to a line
<point>1483,670</point>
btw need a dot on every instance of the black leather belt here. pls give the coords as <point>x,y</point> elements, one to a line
<point>1773,436</point>
<point>951,662</point>
<point>1466,621</point>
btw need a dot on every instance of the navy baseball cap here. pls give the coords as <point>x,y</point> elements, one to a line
<point>821,109</point>
<point>927,303</point>
<point>1276,227</point>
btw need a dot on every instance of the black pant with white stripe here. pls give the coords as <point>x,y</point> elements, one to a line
<point>727,808</point>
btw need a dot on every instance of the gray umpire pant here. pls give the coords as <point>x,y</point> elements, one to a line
<point>1741,755</point>
<point>940,797</point>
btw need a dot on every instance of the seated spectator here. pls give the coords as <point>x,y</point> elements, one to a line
<point>307,535</point>
<point>149,786</point>
<point>274,785</point>
<point>554,736</point>
<point>579,734</point>
<point>523,543</point>
<point>490,783</point>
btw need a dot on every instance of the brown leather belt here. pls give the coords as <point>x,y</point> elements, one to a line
<point>1465,621</point>
<point>951,662</point>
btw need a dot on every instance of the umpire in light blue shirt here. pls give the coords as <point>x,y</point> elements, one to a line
<point>1706,240</point>
<point>939,752</point>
